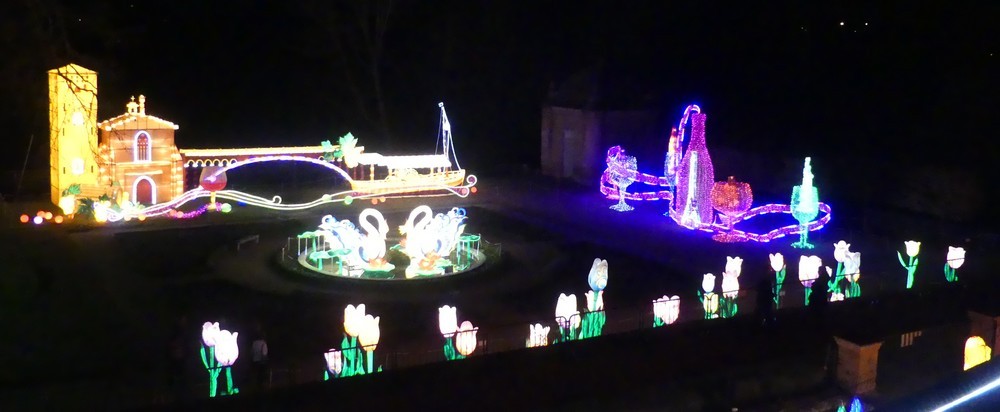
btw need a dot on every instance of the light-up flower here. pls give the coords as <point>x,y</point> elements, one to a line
<point>448,320</point>
<point>840,251</point>
<point>226,349</point>
<point>369,333</point>
<point>594,303</point>
<point>708,282</point>
<point>711,303</point>
<point>209,333</point>
<point>334,361</point>
<point>836,297</point>
<point>667,309</point>
<point>465,340</point>
<point>730,285</point>
<point>538,335</point>
<point>852,266</point>
<point>353,317</point>
<point>598,278</point>
<point>777,261</point>
<point>734,265</point>
<point>912,248</point>
<point>809,269</point>
<point>956,257</point>
<point>566,313</point>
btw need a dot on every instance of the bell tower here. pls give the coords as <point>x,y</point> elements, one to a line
<point>73,144</point>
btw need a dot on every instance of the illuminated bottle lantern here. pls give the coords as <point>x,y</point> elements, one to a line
<point>696,177</point>
<point>212,185</point>
<point>731,199</point>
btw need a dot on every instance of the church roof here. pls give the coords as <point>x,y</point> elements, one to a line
<point>135,118</point>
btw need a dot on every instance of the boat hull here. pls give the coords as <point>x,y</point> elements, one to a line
<point>410,184</point>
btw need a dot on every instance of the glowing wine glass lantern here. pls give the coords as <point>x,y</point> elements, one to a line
<point>622,175</point>
<point>731,199</point>
<point>212,183</point>
<point>805,205</point>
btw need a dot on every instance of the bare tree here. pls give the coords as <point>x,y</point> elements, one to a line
<point>356,30</point>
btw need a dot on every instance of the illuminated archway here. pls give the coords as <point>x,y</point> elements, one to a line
<point>136,196</point>
<point>262,159</point>
<point>976,352</point>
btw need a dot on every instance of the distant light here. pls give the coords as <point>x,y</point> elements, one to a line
<point>969,396</point>
<point>37,220</point>
<point>866,23</point>
<point>841,23</point>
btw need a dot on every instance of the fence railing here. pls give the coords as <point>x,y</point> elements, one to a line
<point>491,339</point>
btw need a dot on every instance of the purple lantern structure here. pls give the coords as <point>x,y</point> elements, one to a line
<point>695,178</point>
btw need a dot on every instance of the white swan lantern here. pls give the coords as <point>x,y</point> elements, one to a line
<point>372,249</point>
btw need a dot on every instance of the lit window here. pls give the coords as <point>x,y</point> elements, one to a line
<point>77,166</point>
<point>143,147</point>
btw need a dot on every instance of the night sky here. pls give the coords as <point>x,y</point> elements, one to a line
<point>897,83</point>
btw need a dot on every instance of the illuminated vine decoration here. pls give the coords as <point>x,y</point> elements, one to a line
<point>757,211</point>
<point>275,203</point>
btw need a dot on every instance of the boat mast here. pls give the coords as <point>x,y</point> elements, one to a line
<point>445,136</point>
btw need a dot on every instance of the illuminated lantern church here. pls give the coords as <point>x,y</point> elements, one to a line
<point>132,159</point>
<point>142,162</point>
<point>135,158</point>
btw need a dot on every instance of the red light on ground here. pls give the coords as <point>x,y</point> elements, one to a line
<point>41,214</point>
<point>58,219</point>
<point>475,189</point>
<point>374,201</point>
<point>25,218</point>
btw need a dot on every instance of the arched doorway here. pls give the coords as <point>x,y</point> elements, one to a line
<point>976,352</point>
<point>144,191</point>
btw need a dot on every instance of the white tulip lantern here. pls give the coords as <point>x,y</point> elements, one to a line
<point>567,316</point>
<point>334,363</point>
<point>666,310</point>
<point>448,321</point>
<point>368,338</point>
<point>912,250</point>
<point>450,330</point>
<point>465,340</point>
<point>709,300</point>
<point>778,266</point>
<point>956,257</point>
<point>852,272</point>
<point>538,335</point>
<point>361,334</point>
<point>808,273</point>
<point>219,352</point>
